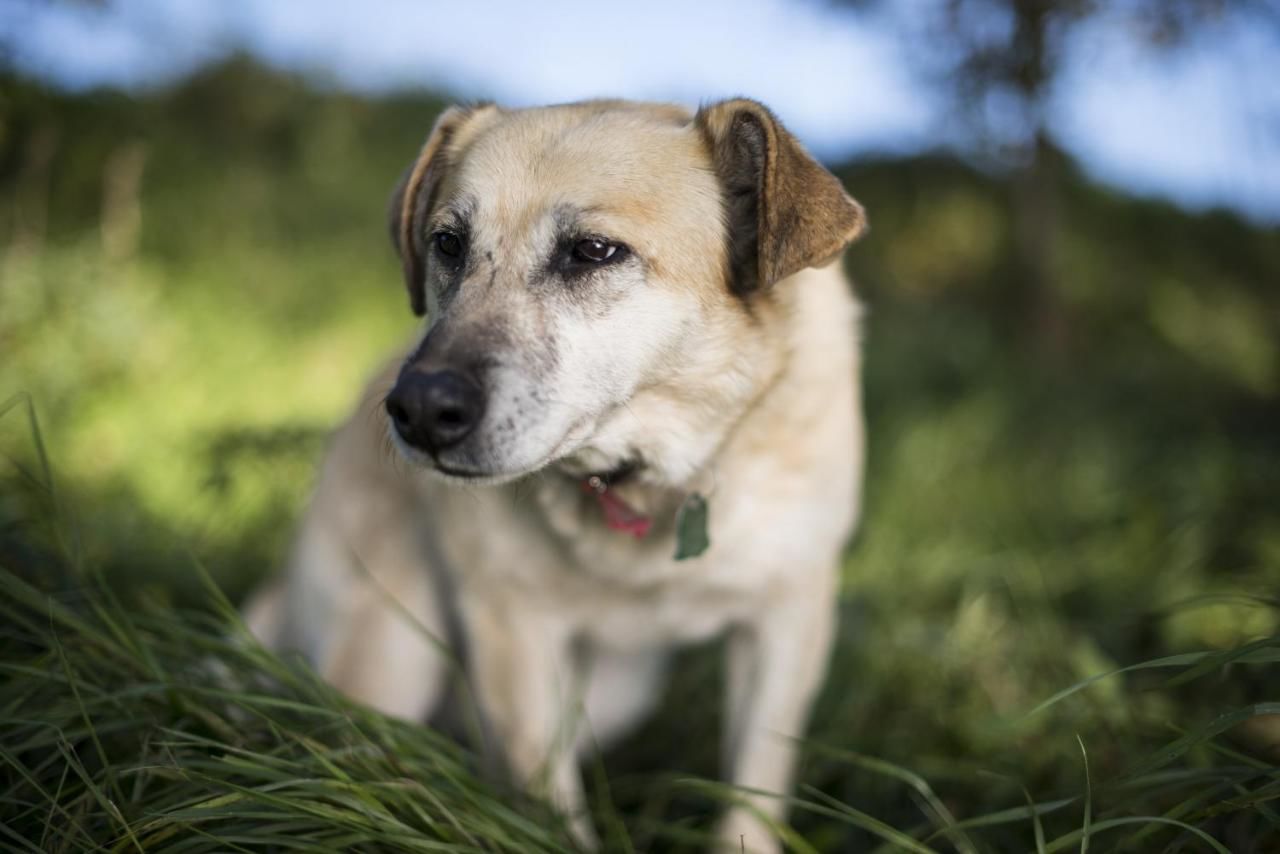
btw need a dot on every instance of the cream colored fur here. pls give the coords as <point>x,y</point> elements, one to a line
<point>752,400</point>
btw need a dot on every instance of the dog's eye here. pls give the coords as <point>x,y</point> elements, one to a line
<point>593,250</point>
<point>448,244</point>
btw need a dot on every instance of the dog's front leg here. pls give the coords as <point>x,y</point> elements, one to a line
<point>775,667</point>
<point>524,676</point>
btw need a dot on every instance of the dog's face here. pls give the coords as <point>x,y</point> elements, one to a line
<point>578,261</point>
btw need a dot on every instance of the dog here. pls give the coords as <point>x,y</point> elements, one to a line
<point>639,346</point>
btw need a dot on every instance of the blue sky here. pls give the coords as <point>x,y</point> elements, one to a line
<point>1200,125</point>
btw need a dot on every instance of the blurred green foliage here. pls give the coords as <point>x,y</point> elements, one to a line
<point>194,283</point>
<point>191,282</point>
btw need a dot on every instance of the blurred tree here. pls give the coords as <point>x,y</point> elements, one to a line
<point>995,63</point>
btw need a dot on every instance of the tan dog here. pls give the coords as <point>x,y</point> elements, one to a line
<point>628,306</point>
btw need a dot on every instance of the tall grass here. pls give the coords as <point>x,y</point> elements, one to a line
<point>150,729</point>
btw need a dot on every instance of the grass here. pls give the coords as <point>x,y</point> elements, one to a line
<point>145,728</point>
<point>1060,617</point>
<point>163,734</point>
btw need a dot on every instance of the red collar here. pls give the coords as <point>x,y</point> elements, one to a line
<point>618,514</point>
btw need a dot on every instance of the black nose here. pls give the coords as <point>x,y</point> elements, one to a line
<point>433,411</point>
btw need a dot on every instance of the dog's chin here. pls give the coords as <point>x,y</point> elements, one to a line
<point>450,472</point>
<point>467,473</point>
<point>444,473</point>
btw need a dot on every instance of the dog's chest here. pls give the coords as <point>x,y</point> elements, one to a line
<point>670,615</point>
<point>638,596</point>
<point>635,577</point>
<point>630,592</point>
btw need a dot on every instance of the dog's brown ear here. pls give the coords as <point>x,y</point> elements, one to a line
<point>415,193</point>
<point>786,212</point>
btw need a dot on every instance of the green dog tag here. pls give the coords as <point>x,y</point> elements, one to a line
<point>691,527</point>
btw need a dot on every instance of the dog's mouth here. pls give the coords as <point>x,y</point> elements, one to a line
<point>572,440</point>
<point>591,476</point>
<point>460,474</point>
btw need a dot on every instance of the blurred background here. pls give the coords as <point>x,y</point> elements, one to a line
<point>1073,336</point>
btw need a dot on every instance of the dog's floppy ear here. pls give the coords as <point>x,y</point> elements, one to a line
<point>786,212</point>
<point>413,196</point>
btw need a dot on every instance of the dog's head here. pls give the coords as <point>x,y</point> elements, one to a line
<point>595,276</point>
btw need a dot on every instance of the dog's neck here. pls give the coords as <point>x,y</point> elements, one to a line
<point>643,493</point>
